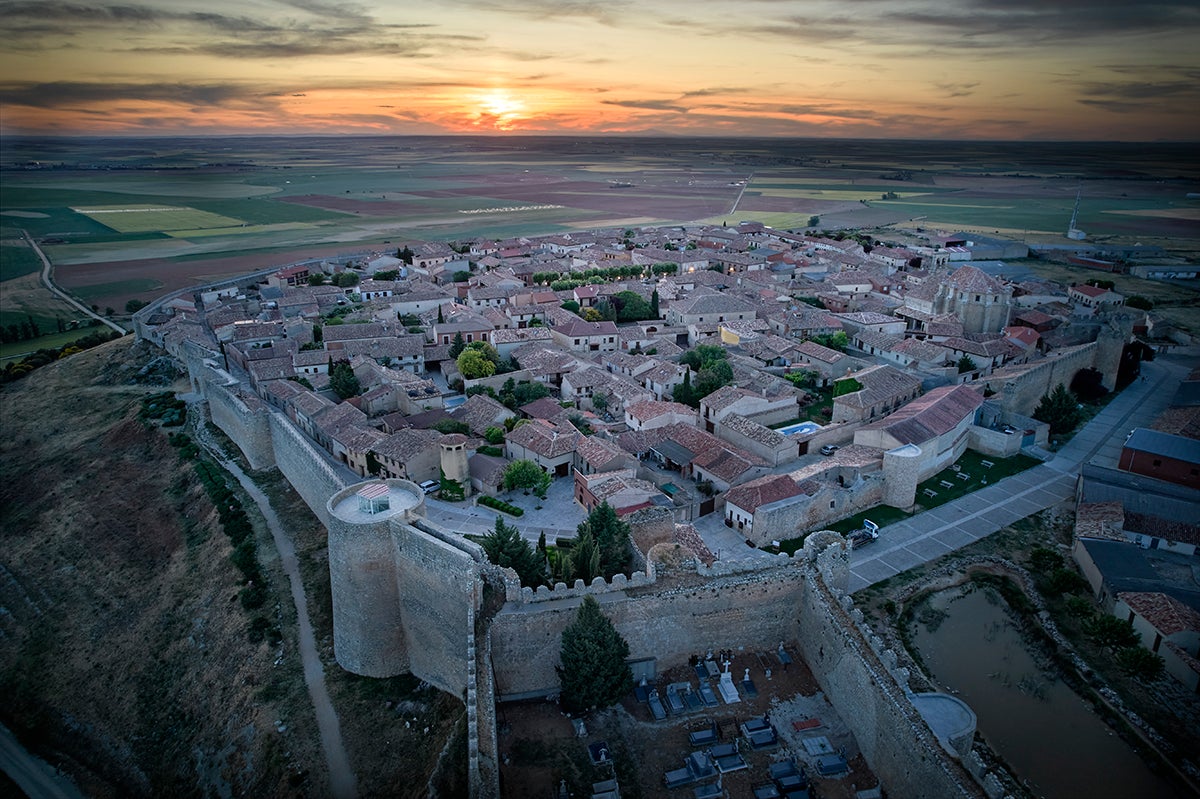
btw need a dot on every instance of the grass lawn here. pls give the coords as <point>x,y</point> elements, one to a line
<point>135,285</point>
<point>18,349</point>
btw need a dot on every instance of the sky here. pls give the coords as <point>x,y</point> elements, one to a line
<point>921,69</point>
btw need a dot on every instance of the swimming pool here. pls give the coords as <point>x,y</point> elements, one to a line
<point>454,401</point>
<point>800,428</point>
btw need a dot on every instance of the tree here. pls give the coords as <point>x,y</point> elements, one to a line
<point>631,307</point>
<point>1059,409</point>
<point>316,279</point>
<point>966,364</point>
<point>611,534</point>
<point>473,364</point>
<point>373,464</point>
<point>592,315</point>
<point>440,318</point>
<point>449,426</point>
<point>1139,302</point>
<point>458,344</point>
<point>346,280</point>
<point>505,547</point>
<point>527,475</point>
<point>343,381</point>
<point>461,276</point>
<point>813,221</point>
<point>406,255</point>
<point>1110,632</point>
<point>133,306</point>
<point>1141,663</point>
<point>570,305</point>
<point>683,392</point>
<point>834,341</point>
<point>494,435</point>
<point>654,301</point>
<point>593,673</point>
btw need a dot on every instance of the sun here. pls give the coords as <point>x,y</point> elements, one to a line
<point>500,110</point>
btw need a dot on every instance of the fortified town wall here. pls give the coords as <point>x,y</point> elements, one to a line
<point>406,594</point>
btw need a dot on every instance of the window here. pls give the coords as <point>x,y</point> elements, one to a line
<point>1157,462</point>
<point>831,503</point>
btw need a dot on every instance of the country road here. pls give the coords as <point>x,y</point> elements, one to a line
<point>48,282</point>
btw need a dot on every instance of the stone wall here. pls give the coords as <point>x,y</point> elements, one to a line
<point>667,621</point>
<point>304,466</point>
<point>1020,388</point>
<point>861,680</point>
<point>438,579</point>
<point>368,628</point>
<point>244,418</point>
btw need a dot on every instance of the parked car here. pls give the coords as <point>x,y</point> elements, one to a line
<point>429,486</point>
<point>861,537</point>
<point>829,449</point>
<point>1008,429</point>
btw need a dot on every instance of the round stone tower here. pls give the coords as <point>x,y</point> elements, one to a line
<point>901,467</point>
<point>454,460</point>
<point>368,633</point>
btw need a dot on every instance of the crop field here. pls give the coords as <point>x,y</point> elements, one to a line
<point>241,203</point>
<point>161,218</point>
<point>16,259</point>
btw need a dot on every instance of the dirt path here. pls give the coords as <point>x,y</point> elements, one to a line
<point>35,776</point>
<point>342,781</point>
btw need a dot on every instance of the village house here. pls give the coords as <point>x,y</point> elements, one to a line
<point>581,336</point>
<point>772,446</point>
<point>709,308</point>
<point>409,454</point>
<point>1091,298</point>
<point>732,399</point>
<point>1167,627</point>
<point>621,489</point>
<point>507,340</point>
<point>550,446</point>
<point>649,414</point>
<point>937,423</point>
<point>744,501</point>
<point>883,389</point>
<point>594,454</point>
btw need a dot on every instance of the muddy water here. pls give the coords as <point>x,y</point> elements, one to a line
<point>1049,737</point>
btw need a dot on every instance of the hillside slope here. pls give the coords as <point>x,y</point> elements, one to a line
<point>124,653</point>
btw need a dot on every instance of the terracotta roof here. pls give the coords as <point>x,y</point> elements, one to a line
<point>820,353</point>
<point>1165,613</point>
<point>1089,291</point>
<point>930,416</point>
<point>754,494</point>
<point>545,438</point>
<point>1100,520</point>
<point>580,329</point>
<point>881,383</point>
<point>649,409</point>
<point>974,279</point>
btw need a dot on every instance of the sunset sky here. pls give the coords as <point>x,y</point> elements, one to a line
<point>994,69</point>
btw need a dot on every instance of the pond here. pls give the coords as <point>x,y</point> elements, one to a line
<point>1049,737</point>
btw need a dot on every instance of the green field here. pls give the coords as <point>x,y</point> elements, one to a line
<point>19,349</point>
<point>1015,213</point>
<point>17,260</point>
<point>144,219</point>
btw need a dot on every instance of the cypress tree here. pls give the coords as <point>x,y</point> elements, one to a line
<point>593,673</point>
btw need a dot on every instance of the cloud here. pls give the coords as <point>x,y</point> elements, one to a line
<point>651,105</point>
<point>325,29</point>
<point>67,93</point>
<point>1172,96</point>
<point>606,12</point>
<point>957,89</point>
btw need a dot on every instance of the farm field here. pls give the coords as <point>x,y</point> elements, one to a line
<point>99,206</point>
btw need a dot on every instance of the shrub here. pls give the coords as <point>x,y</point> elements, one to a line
<point>502,506</point>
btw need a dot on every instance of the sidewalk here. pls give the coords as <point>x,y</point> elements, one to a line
<point>956,524</point>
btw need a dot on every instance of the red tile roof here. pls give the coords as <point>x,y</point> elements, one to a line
<point>1167,614</point>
